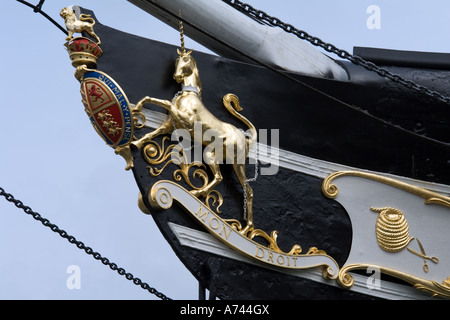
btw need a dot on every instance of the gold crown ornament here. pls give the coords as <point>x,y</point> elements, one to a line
<point>83,51</point>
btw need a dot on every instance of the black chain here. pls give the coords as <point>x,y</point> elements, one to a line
<point>19,204</point>
<point>263,17</point>
<point>38,9</point>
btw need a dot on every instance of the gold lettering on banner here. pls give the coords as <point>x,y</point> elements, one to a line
<point>213,222</point>
<point>164,192</point>
<point>202,216</point>
<point>216,223</point>
<point>226,232</point>
<point>265,254</point>
<point>258,251</point>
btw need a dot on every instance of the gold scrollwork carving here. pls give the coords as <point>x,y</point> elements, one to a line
<point>164,155</point>
<point>272,240</point>
<point>138,119</point>
<point>392,233</point>
<point>436,289</point>
<point>160,156</point>
<point>331,191</point>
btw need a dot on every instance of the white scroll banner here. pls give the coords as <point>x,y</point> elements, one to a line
<point>164,192</point>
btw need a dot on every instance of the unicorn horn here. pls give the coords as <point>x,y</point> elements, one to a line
<point>183,48</point>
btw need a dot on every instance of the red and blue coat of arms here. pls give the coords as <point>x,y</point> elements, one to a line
<point>108,108</point>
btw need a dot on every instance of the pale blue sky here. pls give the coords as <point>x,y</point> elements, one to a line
<point>53,160</point>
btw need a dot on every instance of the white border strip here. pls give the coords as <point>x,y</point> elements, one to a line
<point>301,163</point>
<point>206,242</point>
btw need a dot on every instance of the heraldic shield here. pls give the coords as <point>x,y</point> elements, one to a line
<point>107,107</point>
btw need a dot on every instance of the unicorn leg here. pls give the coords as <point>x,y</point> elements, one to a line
<point>165,128</point>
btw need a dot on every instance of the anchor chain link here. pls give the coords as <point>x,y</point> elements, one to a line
<point>80,245</point>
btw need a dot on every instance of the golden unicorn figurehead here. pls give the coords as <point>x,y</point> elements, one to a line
<point>186,71</point>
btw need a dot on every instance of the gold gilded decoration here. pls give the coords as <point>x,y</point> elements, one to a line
<point>162,195</point>
<point>106,104</point>
<point>74,25</point>
<point>160,156</point>
<point>125,153</point>
<point>187,112</point>
<point>142,205</point>
<point>393,234</point>
<point>83,52</point>
<point>109,110</point>
<point>187,109</point>
<point>272,240</point>
<point>423,255</point>
<point>331,191</point>
<point>436,289</point>
<point>392,229</point>
<point>108,123</point>
<point>157,155</point>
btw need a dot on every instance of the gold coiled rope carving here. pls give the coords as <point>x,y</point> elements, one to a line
<point>392,229</point>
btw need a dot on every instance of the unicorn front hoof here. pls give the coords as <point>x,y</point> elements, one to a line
<point>196,193</point>
<point>199,193</point>
<point>248,228</point>
<point>137,144</point>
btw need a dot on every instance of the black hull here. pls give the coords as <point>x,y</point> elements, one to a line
<point>391,129</point>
